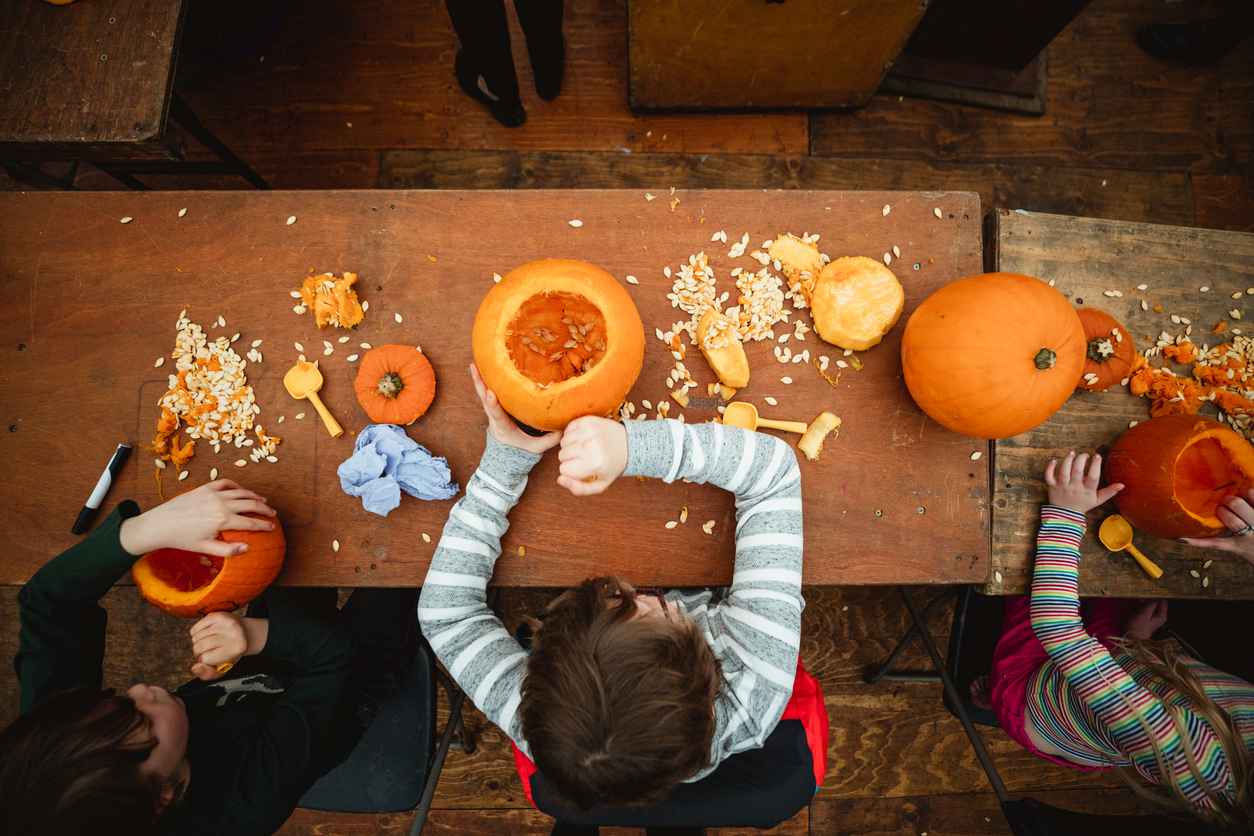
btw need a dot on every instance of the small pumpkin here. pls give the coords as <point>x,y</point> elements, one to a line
<point>992,355</point>
<point>557,339</point>
<point>188,584</point>
<point>1110,353</point>
<point>1176,470</point>
<point>855,301</point>
<point>395,384</point>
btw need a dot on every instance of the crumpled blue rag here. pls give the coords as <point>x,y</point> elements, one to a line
<point>386,461</point>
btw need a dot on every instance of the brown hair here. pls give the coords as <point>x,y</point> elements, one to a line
<point>72,765</point>
<point>1227,812</point>
<point>617,709</point>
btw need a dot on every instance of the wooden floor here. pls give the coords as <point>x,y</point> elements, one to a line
<point>361,95</point>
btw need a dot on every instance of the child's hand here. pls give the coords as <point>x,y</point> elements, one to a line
<point>1236,512</point>
<point>593,455</point>
<point>192,521</point>
<point>1072,486</point>
<point>217,639</point>
<point>1145,621</point>
<point>503,428</point>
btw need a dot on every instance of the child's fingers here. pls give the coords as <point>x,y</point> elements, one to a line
<point>238,522</point>
<point>578,468</point>
<point>205,645</point>
<point>1104,494</point>
<point>477,380</point>
<point>205,673</point>
<point>1064,470</point>
<point>1077,468</point>
<point>1050,478</point>
<point>224,485</point>
<point>579,487</point>
<point>241,493</point>
<point>570,450</point>
<point>1094,473</point>
<point>546,442</point>
<point>1234,522</point>
<point>208,623</point>
<point>250,506</point>
<point>1241,509</point>
<point>220,548</point>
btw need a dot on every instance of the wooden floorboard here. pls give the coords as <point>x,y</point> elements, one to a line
<point>1109,105</point>
<point>1098,192</point>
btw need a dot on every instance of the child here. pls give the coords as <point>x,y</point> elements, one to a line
<point>625,695</point>
<point>1083,687</point>
<point>220,755</point>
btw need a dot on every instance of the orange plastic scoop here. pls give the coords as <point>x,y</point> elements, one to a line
<point>745,415</point>
<point>303,381</point>
<point>1116,535</point>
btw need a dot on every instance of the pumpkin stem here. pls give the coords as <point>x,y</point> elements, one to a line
<point>1100,349</point>
<point>1045,359</point>
<point>390,385</point>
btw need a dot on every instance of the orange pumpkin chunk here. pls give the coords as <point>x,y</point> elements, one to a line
<point>333,301</point>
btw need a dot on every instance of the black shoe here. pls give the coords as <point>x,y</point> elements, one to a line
<point>1191,44</point>
<point>549,66</point>
<point>508,113</point>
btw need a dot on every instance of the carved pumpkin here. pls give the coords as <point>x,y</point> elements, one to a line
<point>188,584</point>
<point>992,355</point>
<point>1176,469</point>
<point>395,384</point>
<point>557,339</point>
<point>1109,351</point>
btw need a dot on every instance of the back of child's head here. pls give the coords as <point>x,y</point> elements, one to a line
<point>72,765</point>
<point>617,709</point>
<point>1228,809</point>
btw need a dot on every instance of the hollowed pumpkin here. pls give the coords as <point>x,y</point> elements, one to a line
<point>992,355</point>
<point>1109,351</point>
<point>395,384</point>
<point>557,339</point>
<point>1176,470</point>
<point>188,584</point>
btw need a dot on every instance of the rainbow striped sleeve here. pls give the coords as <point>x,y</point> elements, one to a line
<point>1097,679</point>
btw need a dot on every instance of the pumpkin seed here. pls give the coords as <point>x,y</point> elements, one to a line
<point>426,538</point>
<point>997,576</point>
<point>708,526</point>
<point>183,475</point>
<point>240,463</point>
<point>365,306</point>
<point>1205,582</point>
<point>575,222</point>
<point>213,473</point>
<point>785,380</point>
<point>1194,573</point>
<point>366,346</point>
<point>282,418</point>
<point>496,278</point>
<point>683,514</point>
<point>399,319</point>
<point>888,258</point>
<point>272,459</point>
<point>291,219</point>
<point>1142,287</point>
<point>937,212</point>
<point>522,551</point>
<point>886,210</point>
<point>159,463</point>
<point>160,362</point>
<point>896,251</point>
<point>335,545</point>
<point>127,219</point>
<point>1203,289</point>
<point>341,340</point>
<point>1235,313</point>
<point>671,524</point>
<point>183,211</point>
<point>298,346</point>
<point>632,280</point>
<point>300,416</point>
<point>771,401</point>
<point>977,455</point>
<point>352,358</point>
<point>1207,564</point>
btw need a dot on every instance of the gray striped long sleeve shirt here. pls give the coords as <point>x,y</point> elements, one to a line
<point>754,631</point>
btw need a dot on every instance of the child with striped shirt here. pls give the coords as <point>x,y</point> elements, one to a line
<point>625,695</point>
<point>1081,684</point>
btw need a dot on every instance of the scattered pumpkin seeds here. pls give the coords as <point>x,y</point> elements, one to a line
<point>575,222</point>
<point>160,362</point>
<point>426,538</point>
<point>300,416</point>
<point>671,524</point>
<point>496,278</point>
<point>126,220</point>
<point>771,401</point>
<point>282,418</point>
<point>366,346</point>
<point>299,347</point>
<point>937,212</point>
<point>888,258</point>
<point>291,219</point>
<point>399,319</point>
<point>997,576</point>
<point>785,380</point>
<point>213,473</point>
<point>240,463</point>
<point>335,545</point>
<point>683,514</point>
<point>184,475</point>
<point>977,455</point>
<point>708,526</point>
<point>183,211</point>
<point>1207,564</point>
<point>352,358</point>
<point>1205,582</point>
<point>522,551</point>
<point>632,280</point>
<point>886,210</point>
<point>1194,573</point>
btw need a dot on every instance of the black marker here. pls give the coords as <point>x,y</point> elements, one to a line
<point>92,505</point>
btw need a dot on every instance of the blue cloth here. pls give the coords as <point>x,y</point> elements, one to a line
<point>386,461</point>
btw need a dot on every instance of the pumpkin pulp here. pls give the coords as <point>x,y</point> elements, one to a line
<point>184,570</point>
<point>556,336</point>
<point>1206,474</point>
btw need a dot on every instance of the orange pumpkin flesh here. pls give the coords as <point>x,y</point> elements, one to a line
<point>188,584</point>
<point>1176,470</point>
<point>1109,351</point>
<point>557,339</point>
<point>993,355</point>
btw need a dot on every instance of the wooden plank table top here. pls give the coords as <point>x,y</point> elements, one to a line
<point>1087,257</point>
<point>90,303</point>
<point>88,79</point>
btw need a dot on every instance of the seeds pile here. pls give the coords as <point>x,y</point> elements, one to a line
<point>1222,375</point>
<point>208,398</point>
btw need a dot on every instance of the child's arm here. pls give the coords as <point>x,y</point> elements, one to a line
<point>61,643</point>
<point>479,653</point>
<point>761,617</point>
<point>1090,671</point>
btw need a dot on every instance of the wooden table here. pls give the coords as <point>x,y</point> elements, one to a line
<point>91,303</point>
<point>1086,257</point>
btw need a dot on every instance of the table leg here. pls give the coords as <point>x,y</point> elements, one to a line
<point>188,121</point>
<point>123,177</point>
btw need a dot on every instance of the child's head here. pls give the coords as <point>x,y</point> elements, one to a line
<point>1229,808</point>
<point>88,760</point>
<point>618,703</point>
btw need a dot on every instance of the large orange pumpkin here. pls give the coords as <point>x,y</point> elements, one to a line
<point>188,584</point>
<point>395,384</point>
<point>557,339</point>
<point>992,355</point>
<point>1176,470</point>
<point>1109,351</point>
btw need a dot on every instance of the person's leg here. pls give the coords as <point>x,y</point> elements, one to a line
<point>485,63</point>
<point>542,26</point>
